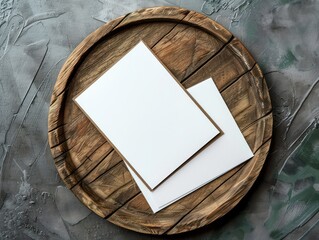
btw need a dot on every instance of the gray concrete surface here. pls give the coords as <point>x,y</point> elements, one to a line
<point>36,36</point>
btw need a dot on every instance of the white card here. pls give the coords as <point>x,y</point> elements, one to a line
<point>212,162</point>
<point>146,115</point>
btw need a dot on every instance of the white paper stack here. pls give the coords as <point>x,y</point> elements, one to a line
<point>157,126</point>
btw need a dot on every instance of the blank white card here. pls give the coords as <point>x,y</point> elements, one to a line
<point>215,160</point>
<point>147,116</point>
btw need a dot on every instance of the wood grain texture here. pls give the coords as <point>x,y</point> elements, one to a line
<point>193,48</point>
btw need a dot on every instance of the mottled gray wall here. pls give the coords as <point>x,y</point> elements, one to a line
<point>36,36</point>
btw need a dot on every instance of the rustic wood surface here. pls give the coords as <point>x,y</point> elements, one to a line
<point>193,47</point>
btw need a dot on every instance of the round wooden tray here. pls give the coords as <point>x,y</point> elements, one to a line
<point>194,48</point>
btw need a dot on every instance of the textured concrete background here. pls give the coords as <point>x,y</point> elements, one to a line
<point>36,36</point>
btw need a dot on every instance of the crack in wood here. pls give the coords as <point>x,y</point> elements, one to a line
<point>60,143</point>
<point>108,170</point>
<point>258,119</point>
<point>56,127</point>
<point>178,23</point>
<point>130,199</point>
<point>236,79</point>
<point>209,59</point>
<point>86,159</point>
<point>88,173</point>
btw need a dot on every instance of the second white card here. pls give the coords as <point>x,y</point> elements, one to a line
<point>215,160</point>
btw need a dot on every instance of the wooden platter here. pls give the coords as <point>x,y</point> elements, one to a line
<point>193,47</point>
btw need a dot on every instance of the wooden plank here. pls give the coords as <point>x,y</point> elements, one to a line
<point>262,126</point>
<point>110,181</point>
<point>241,52</point>
<point>105,207</point>
<point>245,102</point>
<point>110,161</point>
<point>88,164</point>
<point>200,47</point>
<point>224,68</point>
<point>91,170</point>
